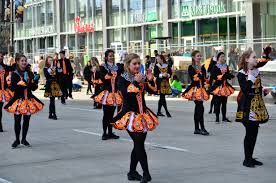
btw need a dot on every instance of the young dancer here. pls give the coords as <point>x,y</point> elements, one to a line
<point>196,91</point>
<point>5,93</point>
<point>109,97</point>
<point>162,72</point>
<point>251,107</point>
<point>52,88</point>
<point>96,80</point>
<point>220,88</point>
<point>135,117</point>
<point>23,103</point>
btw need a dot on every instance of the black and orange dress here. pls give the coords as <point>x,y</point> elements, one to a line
<point>23,102</point>
<point>137,119</point>
<point>163,85</point>
<point>98,86</point>
<point>5,92</point>
<point>135,116</point>
<point>109,97</point>
<point>196,92</point>
<point>221,89</point>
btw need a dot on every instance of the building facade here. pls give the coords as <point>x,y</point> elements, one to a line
<point>141,26</point>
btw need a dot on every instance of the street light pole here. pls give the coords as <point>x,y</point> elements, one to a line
<point>11,47</point>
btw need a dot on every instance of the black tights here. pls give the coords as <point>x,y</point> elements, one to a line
<point>89,87</point>
<point>220,102</point>
<point>212,104</point>
<point>108,113</point>
<point>199,115</point>
<point>250,138</point>
<point>1,106</point>
<point>52,107</point>
<point>138,153</point>
<point>162,102</point>
<point>17,126</point>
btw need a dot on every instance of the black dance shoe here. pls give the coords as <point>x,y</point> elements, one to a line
<point>25,143</point>
<point>168,115</point>
<point>160,114</point>
<point>204,132</point>
<point>249,164</point>
<point>1,130</point>
<point>50,116</point>
<point>54,117</point>
<point>134,176</point>
<point>256,162</point>
<point>105,137</point>
<point>217,120</point>
<point>146,178</point>
<point>226,120</point>
<point>197,131</point>
<point>15,144</point>
<point>113,136</point>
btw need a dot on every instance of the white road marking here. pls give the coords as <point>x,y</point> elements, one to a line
<point>4,181</point>
<point>90,110</point>
<point>128,140</point>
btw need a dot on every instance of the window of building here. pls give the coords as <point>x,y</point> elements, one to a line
<point>81,8</point>
<point>113,11</point>
<point>29,47</point>
<point>82,41</point>
<point>41,14</point>
<point>174,9</point>
<point>187,28</point>
<point>98,41</point>
<point>50,12</point>
<point>71,42</point>
<point>50,42</point>
<point>135,33</point>
<point>113,36</point>
<point>41,43</point>
<point>20,46</point>
<point>71,9</point>
<point>28,14</point>
<point>62,19</point>
<point>134,10</point>
<point>98,14</point>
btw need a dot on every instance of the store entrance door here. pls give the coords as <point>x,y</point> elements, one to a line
<point>187,42</point>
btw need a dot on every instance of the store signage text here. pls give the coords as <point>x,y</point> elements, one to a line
<point>42,30</point>
<point>200,10</point>
<point>79,28</point>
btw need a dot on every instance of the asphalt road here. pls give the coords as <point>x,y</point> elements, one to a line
<point>70,150</point>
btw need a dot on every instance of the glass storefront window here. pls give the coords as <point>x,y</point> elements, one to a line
<point>50,42</point>
<point>187,28</point>
<point>71,9</point>
<point>174,9</point>
<point>29,48</point>
<point>134,10</point>
<point>208,30</point>
<point>81,8</point>
<point>41,14</point>
<point>62,19</point>
<point>113,11</point>
<point>174,33</point>
<point>82,41</point>
<point>242,27</point>
<point>41,43</point>
<point>49,12</point>
<point>151,10</point>
<point>113,36</point>
<point>98,14</point>
<point>98,40</point>
<point>135,33</point>
<point>71,42</point>
<point>124,12</point>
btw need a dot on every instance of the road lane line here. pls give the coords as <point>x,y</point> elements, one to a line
<point>160,146</point>
<point>90,110</point>
<point>4,181</point>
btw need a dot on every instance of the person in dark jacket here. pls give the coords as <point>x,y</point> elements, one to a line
<point>87,76</point>
<point>64,73</point>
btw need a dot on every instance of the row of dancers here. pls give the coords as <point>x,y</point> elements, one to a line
<point>123,87</point>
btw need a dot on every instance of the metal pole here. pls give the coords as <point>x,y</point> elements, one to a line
<point>11,47</point>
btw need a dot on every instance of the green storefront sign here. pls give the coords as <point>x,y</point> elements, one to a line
<point>200,10</point>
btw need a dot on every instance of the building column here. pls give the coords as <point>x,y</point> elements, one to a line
<point>104,12</point>
<point>57,23</point>
<point>249,23</point>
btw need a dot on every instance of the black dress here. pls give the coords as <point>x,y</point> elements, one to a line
<point>23,102</point>
<point>109,76</point>
<point>135,116</point>
<point>5,74</point>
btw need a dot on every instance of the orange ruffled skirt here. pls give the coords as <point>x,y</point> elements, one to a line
<point>111,99</point>
<point>6,95</point>
<point>223,90</point>
<point>196,93</point>
<point>135,122</point>
<point>24,106</point>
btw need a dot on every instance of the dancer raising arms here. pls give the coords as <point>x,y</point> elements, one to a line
<point>162,72</point>
<point>23,103</point>
<point>251,107</point>
<point>220,88</point>
<point>52,88</point>
<point>197,92</point>
<point>5,93</point>
<point>109,97</point>
<point>135,117</point>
